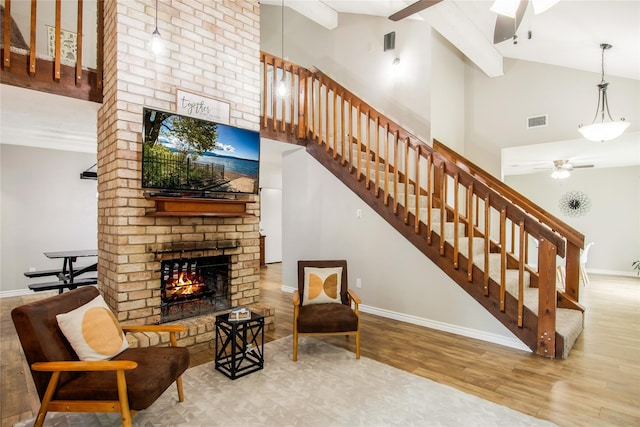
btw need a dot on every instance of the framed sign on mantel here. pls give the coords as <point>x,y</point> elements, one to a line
<point>193,105</point>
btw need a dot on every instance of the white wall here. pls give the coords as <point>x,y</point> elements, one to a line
<point>613,221</point>
<point>496,112</point>
<point>497,108</point>
<point>447,93</point>
<point>271,196</point>
<point>46,141</point>
<point>353,55</point>
<point>45,206</point>
<point>397,280</point>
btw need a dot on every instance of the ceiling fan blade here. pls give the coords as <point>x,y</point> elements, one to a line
<point>416,7</point>
<point>506,27</point>
<point>583,166</point>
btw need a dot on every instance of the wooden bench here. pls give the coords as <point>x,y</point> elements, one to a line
<point>42,273</point>
<point>61,285</point>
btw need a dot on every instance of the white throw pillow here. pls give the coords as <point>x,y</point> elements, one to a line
<point>322,285</point>
<point>93,331</point>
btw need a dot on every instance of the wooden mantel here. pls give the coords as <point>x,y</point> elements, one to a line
<point>197,206</point>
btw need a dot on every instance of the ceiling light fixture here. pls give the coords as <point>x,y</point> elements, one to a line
<point>283,89</point>
<point>510,7</point>
<point>156,44</point>
<point>560,174</point>
<point>561,169</point>
<point>603,131</point>
<point>540,6</point>
<point>505,7</point>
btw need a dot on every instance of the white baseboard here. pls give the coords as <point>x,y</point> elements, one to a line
<point>21,292</point>
<point>611,272</point>
<point>445,327</point>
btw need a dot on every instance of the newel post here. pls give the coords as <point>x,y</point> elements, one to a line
<point>546,299</point>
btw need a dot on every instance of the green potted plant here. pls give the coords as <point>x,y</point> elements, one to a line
<point>636,266</point>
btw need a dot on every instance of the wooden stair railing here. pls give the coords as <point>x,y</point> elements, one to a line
<point>23,68</point>
<point>574,239</point>
<point>456,214</point>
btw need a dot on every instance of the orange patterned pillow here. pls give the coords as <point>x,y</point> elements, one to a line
<point>322,285</point>
<point>93,331</point>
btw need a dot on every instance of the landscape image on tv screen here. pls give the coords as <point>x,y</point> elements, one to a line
<point>186,155</point>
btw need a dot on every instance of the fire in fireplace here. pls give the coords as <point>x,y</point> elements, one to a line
<point>194,286</point>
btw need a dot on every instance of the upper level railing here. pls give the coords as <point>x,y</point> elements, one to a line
<point>54,57</point>
<point>425,185</point>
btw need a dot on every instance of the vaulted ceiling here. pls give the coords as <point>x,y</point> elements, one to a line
<point>567,35</point>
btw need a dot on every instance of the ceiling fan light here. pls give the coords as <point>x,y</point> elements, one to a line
<point>560,174</point>
<point>605,131</point>
<point>505,7</point>
<point>540,6</point>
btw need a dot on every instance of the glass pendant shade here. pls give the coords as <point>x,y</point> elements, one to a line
<point>156,44</point>
<point>604,131</point>
<point>282,90</point>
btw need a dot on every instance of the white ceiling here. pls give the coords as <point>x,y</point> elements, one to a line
<point>569,34</point>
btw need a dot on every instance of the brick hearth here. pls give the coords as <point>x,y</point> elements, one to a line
<point>212,49</point>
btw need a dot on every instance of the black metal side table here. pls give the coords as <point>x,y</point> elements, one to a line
<point>239,345</point>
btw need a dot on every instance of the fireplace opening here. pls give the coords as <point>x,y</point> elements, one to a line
<point>194,286</point>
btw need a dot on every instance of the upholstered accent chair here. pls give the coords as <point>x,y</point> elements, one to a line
<point>323,303</point>
<point>130,381</point>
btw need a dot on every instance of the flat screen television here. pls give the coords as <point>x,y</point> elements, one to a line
<point>187,156</point>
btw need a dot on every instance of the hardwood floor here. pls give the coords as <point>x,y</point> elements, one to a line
<point>598,385</point>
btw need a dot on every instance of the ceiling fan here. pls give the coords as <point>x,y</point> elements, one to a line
<point>416,7</point>
<point>562,168</point>
<point>510,14</point>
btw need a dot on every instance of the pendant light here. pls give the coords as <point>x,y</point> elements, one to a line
<point>601,130</point>
<point>156,45</point>
<point>282,90</point>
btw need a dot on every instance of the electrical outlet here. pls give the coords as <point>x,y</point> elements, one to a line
<point>358,283</point>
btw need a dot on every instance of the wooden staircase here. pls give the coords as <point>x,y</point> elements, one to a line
<point>496,244</point>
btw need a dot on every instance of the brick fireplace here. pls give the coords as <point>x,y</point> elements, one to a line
<point>212,49</point>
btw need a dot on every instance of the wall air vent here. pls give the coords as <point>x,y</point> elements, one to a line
<point>537,121</point>
<point>390,41</point>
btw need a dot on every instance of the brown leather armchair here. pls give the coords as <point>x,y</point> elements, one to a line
<point>342,318</point>
<point>132,380</point>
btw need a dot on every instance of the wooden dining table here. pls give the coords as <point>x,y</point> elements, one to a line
<point>67,274</point>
